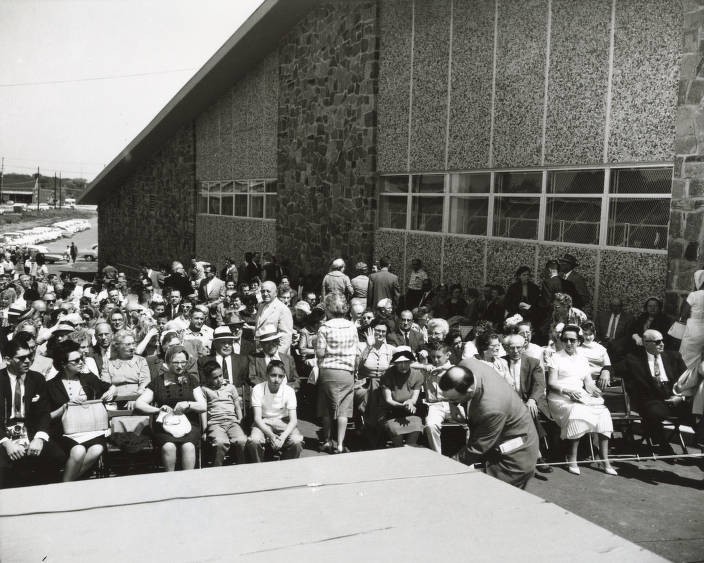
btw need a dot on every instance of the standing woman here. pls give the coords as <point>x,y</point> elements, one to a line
<point>574,400</point>
<point>337,352</point>
<point>653,318</point>
<point>175,392</point>
<point>693,312</point>
<point>72,385</point>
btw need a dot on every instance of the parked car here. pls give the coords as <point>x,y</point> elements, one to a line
<point>90,255</point>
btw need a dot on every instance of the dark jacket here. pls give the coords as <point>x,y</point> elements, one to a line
<point>640,383</point>
<point>57,395</point>
<point>37,417</point>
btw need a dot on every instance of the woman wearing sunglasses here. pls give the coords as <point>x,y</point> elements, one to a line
<point>575,401</point>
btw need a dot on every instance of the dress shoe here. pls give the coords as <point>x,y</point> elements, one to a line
<point>573,468</point>
<point>543,468</point>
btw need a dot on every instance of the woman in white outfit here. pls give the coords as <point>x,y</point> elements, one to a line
<point>575,401</point>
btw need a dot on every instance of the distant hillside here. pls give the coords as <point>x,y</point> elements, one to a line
<point>70,187</point>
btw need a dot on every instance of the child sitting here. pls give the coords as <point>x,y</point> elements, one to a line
<point>224,415</point>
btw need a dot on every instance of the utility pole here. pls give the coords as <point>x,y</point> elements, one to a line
<point>2,175</point>
<point>60,200</point>
<point>54,189</point>
<point>39,189</point>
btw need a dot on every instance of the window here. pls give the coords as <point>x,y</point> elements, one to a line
<point>609,207</point>
<point>255,199</point>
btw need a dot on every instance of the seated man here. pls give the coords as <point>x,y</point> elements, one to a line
<point>406,334</point>
<point>224,414</point>
<point>275,422</point>
<point>25,418</point>
<point>649,375</point>
<point>439,410</point>
<point>269,340</point>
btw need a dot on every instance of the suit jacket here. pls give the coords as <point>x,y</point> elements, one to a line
<point>514,296</point>
<point>580,297</point>
<point>532,379</point>
<point>494,415</point>
<point>172,311</point>
<point>383,284</point>
<point>36,407</point>
<point>215,295</point>
<point>640,383</point>
<point>240,368</point>
<point>279,315</point>
<point>415,339</point>
<point>622,328</point>
<point>93,386</point>
<point>257,369</point>
<point>177,281</point>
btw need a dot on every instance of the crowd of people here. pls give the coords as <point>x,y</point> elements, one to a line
<point>230,359</point>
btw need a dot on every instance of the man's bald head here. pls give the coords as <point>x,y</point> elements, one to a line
<point>456,383</point>
<point>653,342</point>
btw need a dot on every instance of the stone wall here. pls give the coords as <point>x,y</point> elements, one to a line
<point>152,217</point>
<point>327,136</point>
<point>219,237</point>
<point>686,235</point>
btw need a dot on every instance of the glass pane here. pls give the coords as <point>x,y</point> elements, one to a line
<point>641,181</point>
<point>270,206</point>
<point>392,212</point>
<point>256,206</point>
<point>214,204</point>
<point>576,182</point>
<point>271,186</point>
<point>519,182</point>
<point>516,217</point>
<point>203,203</point>
<point>428,184</point>
<point>573,220</point>
<point>394,185</point>
<point>240,205</point>
<point>257,186</point>
<point>638,223</point>
<point>468,215</point>
<point>227,205</point>
<point>470,183</point>
<point>426,214</point>
<point>226,188</point>
<point>242,186</point>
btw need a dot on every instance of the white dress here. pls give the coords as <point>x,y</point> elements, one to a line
<point>691,350</point>
<point>575,419</point>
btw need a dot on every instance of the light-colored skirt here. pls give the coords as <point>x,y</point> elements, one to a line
<point>576,419</point>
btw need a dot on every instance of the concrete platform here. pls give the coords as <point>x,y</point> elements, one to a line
<point>391,505</point>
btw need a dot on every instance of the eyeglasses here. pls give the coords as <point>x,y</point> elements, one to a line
<point>76,361</point>
<point>27,358</point>
<point>178,363</point>
<point>658,342</point>
<point>569,339</point>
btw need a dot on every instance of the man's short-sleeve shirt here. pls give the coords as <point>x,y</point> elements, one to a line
<point>274,405</point>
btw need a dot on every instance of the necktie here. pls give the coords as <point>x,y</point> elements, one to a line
<point>225,371</point>
<point>405,338</point>
<point>656,371</point>
<point>18,397</point>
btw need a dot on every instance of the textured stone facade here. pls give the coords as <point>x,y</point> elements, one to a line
<point>152,217</point>
<point>686,235</point>
<point>327,136</point>
<point>220,237</point>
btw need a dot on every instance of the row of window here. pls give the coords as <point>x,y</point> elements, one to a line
<point>620,207</point>
<point>239,198</point>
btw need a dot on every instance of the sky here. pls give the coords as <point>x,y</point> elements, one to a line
<point>69,97</point>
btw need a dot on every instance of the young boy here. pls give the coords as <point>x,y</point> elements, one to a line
<point>224,415</point>
<point>439,410</point>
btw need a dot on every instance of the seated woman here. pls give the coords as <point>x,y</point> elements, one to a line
<point>489,351</point>
<point>73,385</point>
<point>127,371</point>
<point>175,392</point>
<point>596,354</point>
<point>401,387</point>
<point>84,339</point>
<point>574,400</point>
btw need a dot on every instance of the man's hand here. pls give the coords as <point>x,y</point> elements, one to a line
<point>604,379</point>
<point>276,442</point>
<point>14,451</point>
<point>675,399</point>
<point>35,447</point>
<point>532,407</point>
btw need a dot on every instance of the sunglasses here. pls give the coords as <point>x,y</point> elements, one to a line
<point>569,339</point>
<point>655,341</point>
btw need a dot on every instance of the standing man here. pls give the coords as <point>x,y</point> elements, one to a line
<point>414,289</point>
<point>74,252</point>
<point>580,298</point>
<point>502,434</point>
<point>336,281</point>
<point>613,326</point>
<point>274,312</point>
<point>211,292</point>
<point>383,285</point>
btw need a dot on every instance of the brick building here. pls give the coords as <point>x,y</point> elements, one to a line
<point>476,135</point>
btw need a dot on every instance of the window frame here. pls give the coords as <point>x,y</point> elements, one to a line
<point>267,197</point>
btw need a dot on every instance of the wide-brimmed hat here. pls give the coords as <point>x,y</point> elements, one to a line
<point>19,313</point>
<point>223,333</point>
<point>267,333</point>
<point>64,328</point>
<point>233,320</point>
<point>403,354</point>
<point>569,259</point>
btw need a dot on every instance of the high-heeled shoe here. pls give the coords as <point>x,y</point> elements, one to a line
<point>573,468</point>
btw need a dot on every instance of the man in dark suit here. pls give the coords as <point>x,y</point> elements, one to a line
<point>649,375</point>
<point>383,285</point>
<point>580,298</point>
<point>235,367</point>
<point>211,292</point>
<point>614,329</point>
<point>25,418</point>
<point>527,378</point>
<point>268,339</point>
<point>501,432</point>
<point>102,349</point>
<point>178,280</point>
<point>173,307</point>
<point>405,334</point>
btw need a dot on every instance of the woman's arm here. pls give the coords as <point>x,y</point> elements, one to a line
<point>143,375</point>
<point>143,403</point>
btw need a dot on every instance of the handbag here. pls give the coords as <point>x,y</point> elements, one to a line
<point>177,425</point>
<point>88,416</point>
<point>677,330</point>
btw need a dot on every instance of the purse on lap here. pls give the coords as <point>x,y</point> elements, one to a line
<point>88,416</point>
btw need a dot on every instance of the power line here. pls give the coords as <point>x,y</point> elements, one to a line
<point>95,78</point>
